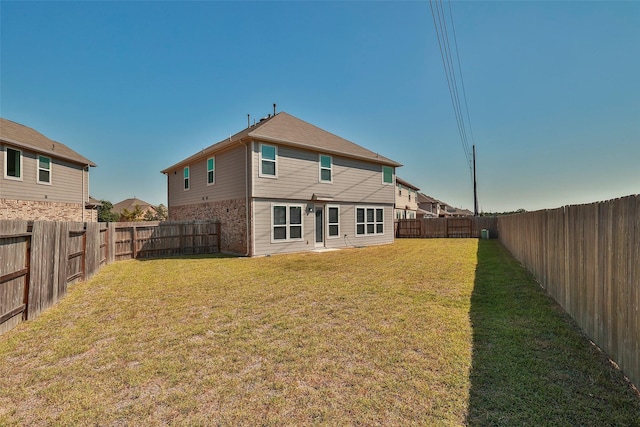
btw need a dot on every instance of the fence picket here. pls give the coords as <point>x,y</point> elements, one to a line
<point>586,257</point>
<point>58,254</point>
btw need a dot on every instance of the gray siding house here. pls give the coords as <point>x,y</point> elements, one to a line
<point>41,179</point>
<point>284,185</point>
<point>406,199</point>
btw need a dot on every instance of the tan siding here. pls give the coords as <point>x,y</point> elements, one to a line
<point>66,181</point>
<point>402,201</point>
<point>353,180</point>
<point>229,180</point>
<point>262,229</point>
<point>369,239</point>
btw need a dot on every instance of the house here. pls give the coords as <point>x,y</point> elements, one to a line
<point>284,185</point>
<point>406,200</point>
<point>458,213</point>
<point>42,179</point>
<point>134,210</point>
<point>430,207</point>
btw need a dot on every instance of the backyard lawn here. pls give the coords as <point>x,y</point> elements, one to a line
<point>421,332</point>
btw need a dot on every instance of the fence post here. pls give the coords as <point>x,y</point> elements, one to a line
<point>134,242</point>
<point>84,253</point>
<point>27,278</point>
<point>219,236</point>
<point>182,239</point>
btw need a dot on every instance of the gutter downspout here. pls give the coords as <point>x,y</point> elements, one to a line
<point>82,206</point>
<point>246,188</point>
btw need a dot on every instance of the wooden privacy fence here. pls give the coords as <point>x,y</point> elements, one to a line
<point>446,227</point>
<point>587,257</point>
<point>153,239</point>
<point>15,254</point>
<point>40,259</point>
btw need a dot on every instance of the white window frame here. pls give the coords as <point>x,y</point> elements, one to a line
<point>186,178</point>
<point>211,171</point>
<point>287,223</point>
<point>375,221</point>
<point>39,169</point>
<point>275,162</point>
<point>6,163</point>
<point>329,223</point>
<point>321,168</point>
<point>383,181</point>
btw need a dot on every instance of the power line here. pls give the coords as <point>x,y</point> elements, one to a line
<point>438,14</point>
<point>464,92</point>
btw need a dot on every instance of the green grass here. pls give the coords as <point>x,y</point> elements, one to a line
<point>531,364</point>
<point>422,332</point>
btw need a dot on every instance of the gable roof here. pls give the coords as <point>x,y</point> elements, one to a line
<point>423,198</point>
<point>406,183</point>
<point>285,129</point>
<point>25,137</point>
<point>130,205</point>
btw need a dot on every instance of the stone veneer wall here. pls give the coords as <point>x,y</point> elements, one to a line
<point>32,210</point>
<point>232,215</point>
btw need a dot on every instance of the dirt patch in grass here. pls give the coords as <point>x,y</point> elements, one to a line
<point>372,336</point>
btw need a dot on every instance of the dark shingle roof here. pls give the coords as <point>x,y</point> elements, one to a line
<point>286,129</point>
<point>24,137</point>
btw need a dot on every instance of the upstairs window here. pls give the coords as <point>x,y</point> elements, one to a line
<point>268,160</point>
<point>186,178</point>
<point>44,170</point>
<point>326,166</point>
<point>211,170</point>
<point>387,174</point>
<point>13,164</point>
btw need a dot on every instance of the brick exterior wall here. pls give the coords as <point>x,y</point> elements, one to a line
<point>232,215</point>
<point>31,210</point>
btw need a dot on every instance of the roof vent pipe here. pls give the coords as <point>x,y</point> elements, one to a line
<point>248,121</point>
<point>274,108</point>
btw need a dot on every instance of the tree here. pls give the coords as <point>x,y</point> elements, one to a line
<point>131,216</point>
<point>150,215</point>
<point>161,212</point>
<point>105,214</point>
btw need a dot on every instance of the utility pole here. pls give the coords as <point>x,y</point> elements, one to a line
<point>475,187</point>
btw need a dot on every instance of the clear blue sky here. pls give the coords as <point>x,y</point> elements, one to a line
<point>553,88</point>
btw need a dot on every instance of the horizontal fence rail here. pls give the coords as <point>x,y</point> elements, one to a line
<point>39,260</point>
<point>466,227</point>
<point>153,239</point>
<point>15,253</point>
<point>587,257</point>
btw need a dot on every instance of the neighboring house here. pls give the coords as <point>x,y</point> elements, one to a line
<point>41,179</point>
<point>430,207</point>
<point>455,212</point>
<point>284,185</point>
<point>406,199</point>
<point>127,208</point>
